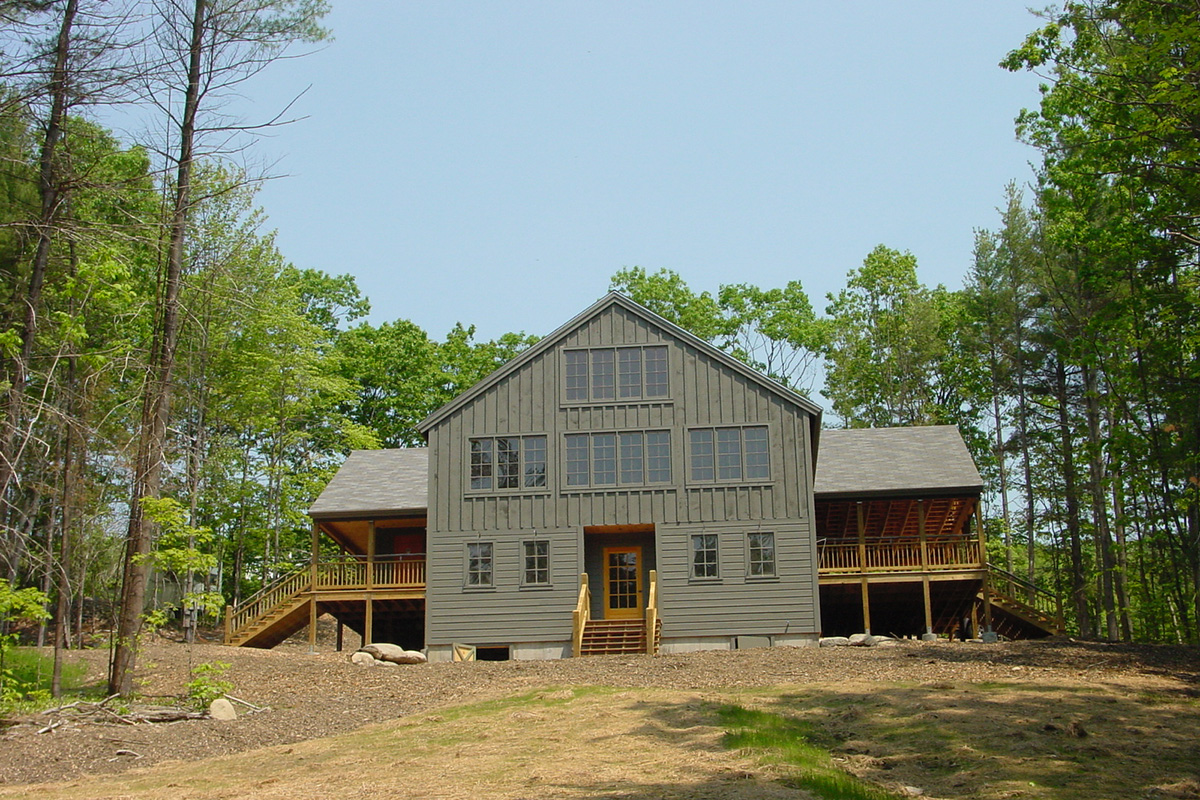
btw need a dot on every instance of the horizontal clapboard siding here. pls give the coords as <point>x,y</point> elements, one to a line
<point>507,612</point>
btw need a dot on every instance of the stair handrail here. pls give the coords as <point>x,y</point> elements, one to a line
<point>652,612</point>
<point>582,614</point>
<point>1041,600</point>
<point>265,599</point>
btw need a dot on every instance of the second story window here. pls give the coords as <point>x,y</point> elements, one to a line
<point>508,462</point>
<point>629,458</point>
<point>729,454</point>
<point>616,374</point>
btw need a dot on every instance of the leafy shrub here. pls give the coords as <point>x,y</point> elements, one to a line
<point>207,683</point>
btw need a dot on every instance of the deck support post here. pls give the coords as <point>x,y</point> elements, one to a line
<point>369,611</point>
<point>312,623</point>
<point>929,634</point>
<point>862,566</point>
<point>340,631</point>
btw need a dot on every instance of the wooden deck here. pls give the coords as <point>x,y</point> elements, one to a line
<point>296,599</point>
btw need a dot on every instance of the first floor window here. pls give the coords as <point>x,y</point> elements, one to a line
<point>479,564</point>
<point>762,555</point>
<point>508,462</point>
<point>704,555</point>
<point>537,563</point>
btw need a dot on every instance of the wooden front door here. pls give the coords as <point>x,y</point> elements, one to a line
<point>623,583</point>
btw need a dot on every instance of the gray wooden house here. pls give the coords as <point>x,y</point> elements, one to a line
<point>623,486</point>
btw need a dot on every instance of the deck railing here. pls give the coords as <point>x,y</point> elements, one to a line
<point>1014,587</point>
<point>266,599</point>
<point>343,573</point>
<point>899,556</point>
<point>581,615</point>
<point>652,613</point>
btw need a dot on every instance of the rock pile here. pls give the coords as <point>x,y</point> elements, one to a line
<point>384,654</point>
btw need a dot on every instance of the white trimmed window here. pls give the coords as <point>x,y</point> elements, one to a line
<point>616,374</point>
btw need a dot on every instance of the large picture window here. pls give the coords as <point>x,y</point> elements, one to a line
<point>616,374</point>
<point>729,454</point>
<point>508,462</point>
<point>479,565</point>
<point>629,458</point>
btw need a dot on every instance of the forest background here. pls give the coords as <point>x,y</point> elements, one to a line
<point>175,393</point>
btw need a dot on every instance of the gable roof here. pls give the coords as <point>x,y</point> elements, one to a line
<point>618,299</point>
<point>376,483</point>
<point>875,462</point>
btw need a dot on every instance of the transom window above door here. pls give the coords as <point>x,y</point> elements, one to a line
<point>616,374</point>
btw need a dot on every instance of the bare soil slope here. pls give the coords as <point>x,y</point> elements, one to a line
<point>1037,719</point>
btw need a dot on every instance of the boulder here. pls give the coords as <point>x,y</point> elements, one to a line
<point>393,653</point>
<point>834,641</point>
<point>363,659</point>
<point>222,709</point>
<point>862,640</point>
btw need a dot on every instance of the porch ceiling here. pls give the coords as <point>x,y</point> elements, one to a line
<point>892,518</point>
<point>351,534</point>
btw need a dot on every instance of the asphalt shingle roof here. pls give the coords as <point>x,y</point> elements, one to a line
<point>894,461</point>
<point>377,482</point>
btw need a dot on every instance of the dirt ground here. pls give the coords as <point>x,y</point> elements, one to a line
<point>1054,719</point>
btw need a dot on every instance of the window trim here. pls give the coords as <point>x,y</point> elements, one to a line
<point>617,484</point>
<point>522,451</point>
<point>527,584</point>
<point>491,584</point>
<point>714,455</point>
<point>774,574</point>
<point>615,388</point>
<point>716,550</point>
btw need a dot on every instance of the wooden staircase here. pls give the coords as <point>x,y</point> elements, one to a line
<point>617,637</point>
<point>273,614</point>
<point>1038,614</point>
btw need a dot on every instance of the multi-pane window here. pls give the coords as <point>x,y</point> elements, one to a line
<point>508,462</point>
<point>632,458</point>
<point>729,454</point>
<point>607,374</point>
<point>479,564</point>
<point>761,559</point>
<point>537,563</point>
<point>704,555</point>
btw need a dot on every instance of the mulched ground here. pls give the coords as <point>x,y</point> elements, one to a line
<point>308,696</point>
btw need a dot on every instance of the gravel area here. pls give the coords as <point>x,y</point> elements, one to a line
<point>307,696</point>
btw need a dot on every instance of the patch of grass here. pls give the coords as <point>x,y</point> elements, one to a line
<point>778,739</point>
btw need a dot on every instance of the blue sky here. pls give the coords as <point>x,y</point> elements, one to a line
<point>496,163</point>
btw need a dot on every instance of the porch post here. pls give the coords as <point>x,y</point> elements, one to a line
<point>312,581</point>
<point>862,565</point>
<point>369,615</point>
<point>929,635</point>
<point>921,535</point>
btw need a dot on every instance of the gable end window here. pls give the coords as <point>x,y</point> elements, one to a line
<point>616,374</point>
<point>629,458</point>
<point>479,565</point>
<point>508,462</point>
<point>729,454</point>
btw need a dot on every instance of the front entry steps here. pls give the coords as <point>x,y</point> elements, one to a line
<point>617,637</point>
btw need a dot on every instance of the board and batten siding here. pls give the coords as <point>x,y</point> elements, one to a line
<point>530,400</point>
